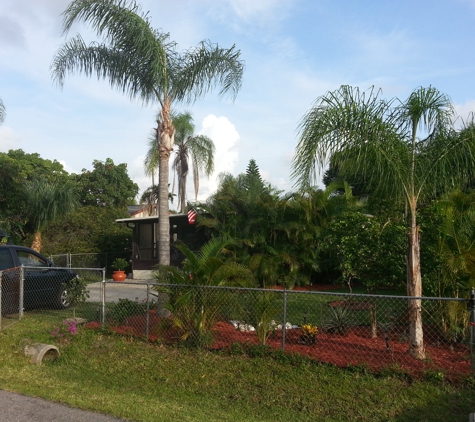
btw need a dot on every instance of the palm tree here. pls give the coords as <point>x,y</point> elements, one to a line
<point>368,136</point>
<point>200,149</point>
<point>195,309</point>
<point>2,111</point>
<point>457,241</point>
<point>152,159</point>
<point>47,202</point>
<point>144,63</point>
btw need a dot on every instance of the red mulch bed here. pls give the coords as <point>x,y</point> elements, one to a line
<point>356,348</point>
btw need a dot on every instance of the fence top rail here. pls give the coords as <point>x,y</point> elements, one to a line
<point>63,268</point>
<point>307,292</point>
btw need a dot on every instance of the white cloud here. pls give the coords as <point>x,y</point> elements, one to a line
<point>68,168</point>
<point>464,110</point>
<point>226,140</point>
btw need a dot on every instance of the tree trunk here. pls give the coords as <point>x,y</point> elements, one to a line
<point>166,136</point>
<point>414,288</point>
<point>37,243</point>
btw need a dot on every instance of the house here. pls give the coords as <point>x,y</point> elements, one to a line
<point>145,242</point>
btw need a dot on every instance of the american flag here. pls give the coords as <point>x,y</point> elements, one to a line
<point>191,216</point>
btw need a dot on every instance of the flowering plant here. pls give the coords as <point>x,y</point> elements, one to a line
<point>309,330</point>
<point>68,327</point>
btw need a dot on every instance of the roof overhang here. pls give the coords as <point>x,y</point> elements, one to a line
<point>134,220</point>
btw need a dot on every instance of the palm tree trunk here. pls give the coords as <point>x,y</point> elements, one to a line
<point>414,288</point>
<point>166,138</point>
<point>37,243</point>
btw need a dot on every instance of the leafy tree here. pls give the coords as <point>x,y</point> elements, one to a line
<point>12,197</point>
<point>107,184</point>
<point>34,167</point>
<point>144,63</point>
<point>367,250</point>
<point>306,214</point>
<point>17,170</point>
<point>366,135</point>
<point>47,202</point>
<point>88,229</point>
<point>197,148</point>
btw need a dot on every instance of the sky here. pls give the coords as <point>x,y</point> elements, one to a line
<point>294,51</point>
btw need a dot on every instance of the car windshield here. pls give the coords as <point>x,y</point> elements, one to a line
<point>30,260</point>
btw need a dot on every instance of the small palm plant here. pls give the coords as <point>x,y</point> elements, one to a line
<point>196,309</point>
<point>119,264</point>
<point>338,320</point>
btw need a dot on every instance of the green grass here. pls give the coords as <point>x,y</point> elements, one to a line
<point>147,382</point>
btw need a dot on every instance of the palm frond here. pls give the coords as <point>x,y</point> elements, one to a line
<point>204,67</point>
<point>2,111</point>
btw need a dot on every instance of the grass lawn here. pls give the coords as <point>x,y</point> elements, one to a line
<point>139,381</point>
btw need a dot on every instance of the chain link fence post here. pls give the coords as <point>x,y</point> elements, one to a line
<point>22,292</point>
<point>471,320</point>
<point>1,279</point>
<point>147,315</point>
<point>284,319</point>
<point>103,298</point>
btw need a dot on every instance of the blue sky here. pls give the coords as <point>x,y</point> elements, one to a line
<point>294,50</point>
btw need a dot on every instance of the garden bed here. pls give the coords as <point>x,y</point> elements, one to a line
<point>387,351</point>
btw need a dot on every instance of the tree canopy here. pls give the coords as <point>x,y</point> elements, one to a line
<point>108,184</point>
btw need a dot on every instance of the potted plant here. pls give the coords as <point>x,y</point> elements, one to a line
<point>119,265</point>
<point>308,334</point>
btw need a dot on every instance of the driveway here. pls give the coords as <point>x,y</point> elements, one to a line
<point>119,290</point>
<point>19,408</point>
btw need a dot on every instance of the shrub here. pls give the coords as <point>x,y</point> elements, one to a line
<point>124,309</point>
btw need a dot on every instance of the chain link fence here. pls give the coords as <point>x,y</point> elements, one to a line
<point>48,290</point>
<point>336,328</point>
<point>341,329</point>
<point>89,260</point>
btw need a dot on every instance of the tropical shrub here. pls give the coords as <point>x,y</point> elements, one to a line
<point>194,311</point>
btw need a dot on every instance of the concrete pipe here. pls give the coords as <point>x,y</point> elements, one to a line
<point>39,351</point>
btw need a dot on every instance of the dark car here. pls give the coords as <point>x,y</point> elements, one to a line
<point>45,285</point>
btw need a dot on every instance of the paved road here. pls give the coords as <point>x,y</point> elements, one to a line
<point>18,408</point>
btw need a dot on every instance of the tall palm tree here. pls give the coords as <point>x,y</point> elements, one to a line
<point>144,63</point>
<point>366,135</point>
<point>48,202</point>
<point>200,149</point>
<point>2,111</point>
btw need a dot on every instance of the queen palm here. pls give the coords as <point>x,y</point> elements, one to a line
<point>378,139</point>
<point>144,63</point>
<point>199,149</point>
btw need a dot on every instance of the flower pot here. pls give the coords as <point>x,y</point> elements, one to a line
<point>308,340</point>
<point>118,275</point>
